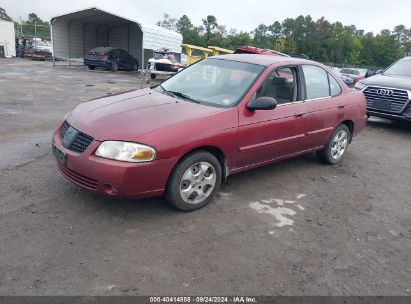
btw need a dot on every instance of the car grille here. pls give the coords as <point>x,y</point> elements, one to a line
<point>80,142</point>
<point>396,102</point>
<point>78,179</point>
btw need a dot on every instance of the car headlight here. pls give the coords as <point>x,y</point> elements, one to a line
<point>359,86</point>
<point>126,151</point>
<point>67,115</point>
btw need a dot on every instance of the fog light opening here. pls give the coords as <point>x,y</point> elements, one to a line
<point>110,189</point>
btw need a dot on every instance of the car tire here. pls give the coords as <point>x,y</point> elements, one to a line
<point>114,66</point>
<point>336,146</point>
<point>90,67</point>
<point>135,67</point>
<point>194,181</point>
<point>153,76</point>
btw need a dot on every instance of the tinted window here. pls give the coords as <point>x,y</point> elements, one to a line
<point>115,53</point>
<point>316,82</point>
<point>335,88</point>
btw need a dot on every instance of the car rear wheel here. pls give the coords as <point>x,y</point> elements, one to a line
<point>90,67</point>
<point>114,66</point>
<point>336,146</point>
<point>194,181</point>
<point>153,76</point>
<point>135,67</point>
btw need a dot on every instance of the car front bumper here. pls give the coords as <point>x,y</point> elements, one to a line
<point>113,178</point>
<point>405,116</point>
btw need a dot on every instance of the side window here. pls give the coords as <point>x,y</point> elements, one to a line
<point>316,82</point>
<point>281,84</point>
<point>115,53</point>
<point>335,88</point>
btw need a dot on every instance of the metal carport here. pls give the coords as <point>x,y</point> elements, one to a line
<point>75,33</point>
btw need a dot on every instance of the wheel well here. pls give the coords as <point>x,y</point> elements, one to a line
<point>218,153</point>
<point>350,126</point>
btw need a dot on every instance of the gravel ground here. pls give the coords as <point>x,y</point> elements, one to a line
<point>292,228</point>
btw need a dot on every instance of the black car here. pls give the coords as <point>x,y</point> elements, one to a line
<point>389,94</point>
<point>110,58</point>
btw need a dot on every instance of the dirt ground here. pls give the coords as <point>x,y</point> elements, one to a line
<point>292,228</point>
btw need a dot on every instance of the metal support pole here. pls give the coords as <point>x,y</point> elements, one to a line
<point>128,38</point>
<point>69,42</point>
<point>52,41</point>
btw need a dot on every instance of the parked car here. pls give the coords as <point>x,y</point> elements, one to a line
<point>220,116</point>
<point>389,94</point>
<point>110,58</point>
<point>253,50</point>
<point>354,74</point>
<point>346,79</point>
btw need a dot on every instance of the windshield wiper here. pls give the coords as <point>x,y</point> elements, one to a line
<point>179,94</point>
<point>184,96</point>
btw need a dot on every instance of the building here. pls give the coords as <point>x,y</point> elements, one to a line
<point>7,39</point>
<point>76,33</point>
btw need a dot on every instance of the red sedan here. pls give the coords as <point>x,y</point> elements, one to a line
<point>220,116</point>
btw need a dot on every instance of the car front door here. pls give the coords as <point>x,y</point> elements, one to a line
<point>267,135</point>
<point>325,105</point>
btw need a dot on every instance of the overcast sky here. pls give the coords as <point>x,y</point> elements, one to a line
<point>240,14</point>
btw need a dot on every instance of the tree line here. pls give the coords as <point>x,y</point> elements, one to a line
<point>30,27</point>
<point>318,40</point>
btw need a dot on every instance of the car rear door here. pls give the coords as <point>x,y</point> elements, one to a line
<point>266,135</point>
<point>325,105</point>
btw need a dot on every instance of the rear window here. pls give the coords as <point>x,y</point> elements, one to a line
<point>100,50</point>
<point>350,71</point>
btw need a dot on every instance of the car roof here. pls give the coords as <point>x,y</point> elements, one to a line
<point>265,60</point>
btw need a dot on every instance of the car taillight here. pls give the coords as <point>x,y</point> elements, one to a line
<point>103,56</point>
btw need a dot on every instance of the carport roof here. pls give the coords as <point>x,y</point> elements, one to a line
<point>98,17</point>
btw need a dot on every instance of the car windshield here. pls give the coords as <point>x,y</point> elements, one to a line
<point>215,82</point>
<point>400,68</point>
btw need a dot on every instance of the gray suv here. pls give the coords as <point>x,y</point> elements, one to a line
<point>389,94</point>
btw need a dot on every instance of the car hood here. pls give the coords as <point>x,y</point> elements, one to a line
<point>129,115</point>
<point>396,82</point>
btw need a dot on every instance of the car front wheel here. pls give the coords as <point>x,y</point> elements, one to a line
<point>194,181</point>
<point>336,146</point>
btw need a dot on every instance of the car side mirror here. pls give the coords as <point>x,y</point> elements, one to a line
<point>262,103</point>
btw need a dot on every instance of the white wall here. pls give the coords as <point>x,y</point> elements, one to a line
<point>7,38</point>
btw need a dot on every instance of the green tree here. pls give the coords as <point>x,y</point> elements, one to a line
<point>168,22</point>
<point>184,24</point>
<point>35,26</point>
<point>210,23</point>
<point>4,16</point>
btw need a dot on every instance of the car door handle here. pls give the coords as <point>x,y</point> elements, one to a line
<point>299,114</point>
<point>341,106</point>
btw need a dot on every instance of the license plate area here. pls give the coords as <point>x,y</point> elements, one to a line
<point>59,155</point>
<point>382,104</point>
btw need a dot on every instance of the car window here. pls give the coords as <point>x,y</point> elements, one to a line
<point>316,82</point>
<point>280,84</point>
<point>335,88</point>
<point>115,53</point>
